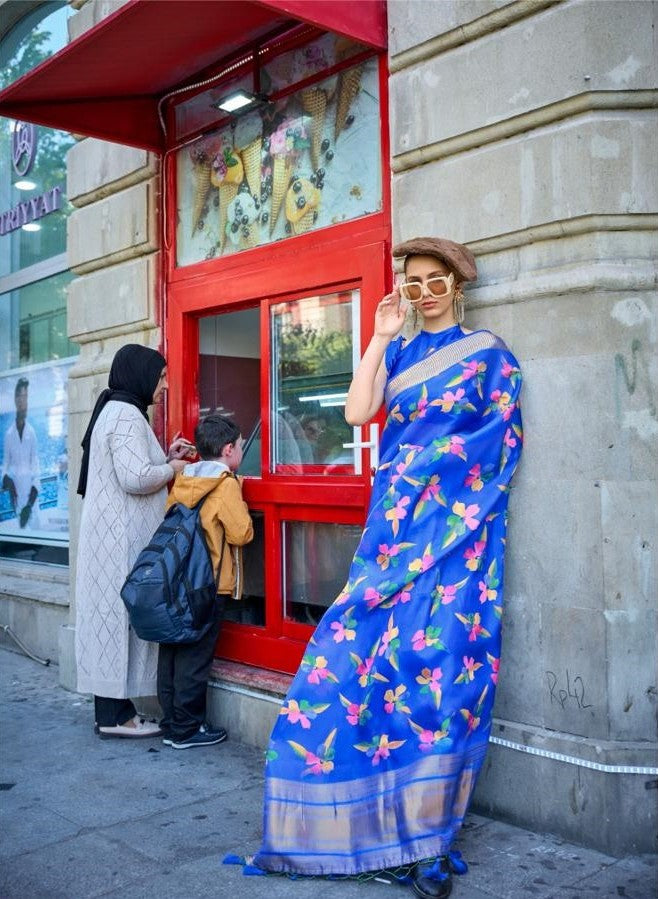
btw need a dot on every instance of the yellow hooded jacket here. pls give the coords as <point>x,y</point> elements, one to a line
<point>225,520</point>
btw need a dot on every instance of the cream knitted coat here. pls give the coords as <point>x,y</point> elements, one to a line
<point>123,505</point>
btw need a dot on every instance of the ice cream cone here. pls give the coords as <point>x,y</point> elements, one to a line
<point>251,160</point>
<point>201,171</point>
<point>227,192</point>
<point>305,223</point>
<point>314,102</point>
<point>281,171</point>
<point>349,85</point>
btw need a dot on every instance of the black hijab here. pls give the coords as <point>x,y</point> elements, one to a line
<point>134,375</point>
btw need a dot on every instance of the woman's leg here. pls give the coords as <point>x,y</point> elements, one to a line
<point>112,712</point>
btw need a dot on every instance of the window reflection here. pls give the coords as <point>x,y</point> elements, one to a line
<point>312,363</point>
<point>316,561</point>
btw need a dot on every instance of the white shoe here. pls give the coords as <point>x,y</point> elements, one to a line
<point>142,728</point>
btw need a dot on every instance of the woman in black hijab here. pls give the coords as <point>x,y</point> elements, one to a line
<point>123,480</point>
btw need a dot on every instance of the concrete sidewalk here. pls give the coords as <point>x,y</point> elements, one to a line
<point>81,818</point>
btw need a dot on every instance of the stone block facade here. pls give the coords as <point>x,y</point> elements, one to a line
<point>532,127</point>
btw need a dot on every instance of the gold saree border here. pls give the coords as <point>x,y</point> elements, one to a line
<point>360,825</point>
<point>441,361</point>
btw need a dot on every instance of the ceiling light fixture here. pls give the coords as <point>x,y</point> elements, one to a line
<point>24,184</point>
<point>31,226</point>
<point>240,101</point>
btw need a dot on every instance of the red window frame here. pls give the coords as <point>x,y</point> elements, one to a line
<point>345,256</point>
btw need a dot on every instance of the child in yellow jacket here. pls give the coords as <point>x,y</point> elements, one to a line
<point>183,667</point>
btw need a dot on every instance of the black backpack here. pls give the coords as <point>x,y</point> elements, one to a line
<point>171,591</point>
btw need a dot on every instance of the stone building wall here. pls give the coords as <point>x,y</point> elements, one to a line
<point>528,131</point>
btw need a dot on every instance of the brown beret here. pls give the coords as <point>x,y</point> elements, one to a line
<point>455,255</point>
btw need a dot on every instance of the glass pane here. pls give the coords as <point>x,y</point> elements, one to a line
<point>33,457</point>
<point>251,608</point>
<point>313,345</point>
<point>33,323</point>
<point>229,376</point>
<point>316,561</point>
<point>309,160</point>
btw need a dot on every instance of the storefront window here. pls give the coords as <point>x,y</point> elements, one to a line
<point>308,160</point>
<point>313,342</point>
<point>317,558</point>
<point>35,352</point>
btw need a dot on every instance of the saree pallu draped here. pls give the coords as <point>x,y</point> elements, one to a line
<point>379,741</point>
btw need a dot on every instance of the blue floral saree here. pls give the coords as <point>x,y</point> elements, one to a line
<point>379,742</point>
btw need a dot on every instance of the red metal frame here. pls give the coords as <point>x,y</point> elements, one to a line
<point>352,254</point>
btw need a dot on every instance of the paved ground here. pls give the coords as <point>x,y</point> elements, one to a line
<point>82,818</point>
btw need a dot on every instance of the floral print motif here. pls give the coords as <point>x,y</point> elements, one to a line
<point>403,667</point>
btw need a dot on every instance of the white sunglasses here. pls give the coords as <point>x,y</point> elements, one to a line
<point>412,291</point>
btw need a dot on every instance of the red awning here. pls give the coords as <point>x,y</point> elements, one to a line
<point>107,82</point>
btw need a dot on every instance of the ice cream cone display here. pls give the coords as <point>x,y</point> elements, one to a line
<point>349,85</point>
<point>302,202</point>
<point>201,166</point>
<point>314,103</point>
<point>281,171</point>
<point>227,174</point>
<point>251,160</point>
<point>244,221</point>
<point>286,145</point>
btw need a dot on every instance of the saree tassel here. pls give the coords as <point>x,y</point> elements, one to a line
<point>456,862</point>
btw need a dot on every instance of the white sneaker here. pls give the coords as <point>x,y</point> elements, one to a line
<point>142,728</point>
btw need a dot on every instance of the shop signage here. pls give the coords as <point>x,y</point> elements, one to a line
<point>23,147</point>
<point>30,210</point>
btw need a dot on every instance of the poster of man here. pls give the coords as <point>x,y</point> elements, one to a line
<point>33,460</point>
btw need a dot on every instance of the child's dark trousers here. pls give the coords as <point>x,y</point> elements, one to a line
<point>183,670</point>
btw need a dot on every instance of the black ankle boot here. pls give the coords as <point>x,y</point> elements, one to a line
<point>433,881</point>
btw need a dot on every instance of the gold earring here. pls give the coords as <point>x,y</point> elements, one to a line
<point>458,305</point>
<point>415,317</point>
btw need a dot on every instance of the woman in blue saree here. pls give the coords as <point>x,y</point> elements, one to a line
<point>379,742</point>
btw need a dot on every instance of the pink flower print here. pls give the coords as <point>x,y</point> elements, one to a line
<point>364,671</point>
<point>317,668</point>
<point>469,668</point>
<point>344,628</point>
<point>397,513</point>
<point>474,480</point>
<point>430,683</point>
<point>449,399</point>
<point>444,594</point>
<point>503,402</point>
<point>379,748</point>
<point>453,445</point>
<point>432,490</point>
<point>394,700</point>
<point>431,636</point>
<point>294,714</point>
<point>473,368</point>
<point>507,369</point>
<point>473,625</point>
<point>468,513</point>
<point>428,739</point>
<point>419,408</point>
<point>486,593</point>
<point>390,643</point>
<point>456,445</point>
<point>474,555</point>
<point>425,562</point>
<point>418,641</point>
<point>356,713</point>
<point>508,440</point>
<point>471,720</point>
<point>495,664</point>
<point>402,596</point>
<point>319,762</point>
<point>372,597</point>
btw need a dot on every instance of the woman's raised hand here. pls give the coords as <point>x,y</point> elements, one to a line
<point>180,448</point>
<point>390,314</point>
